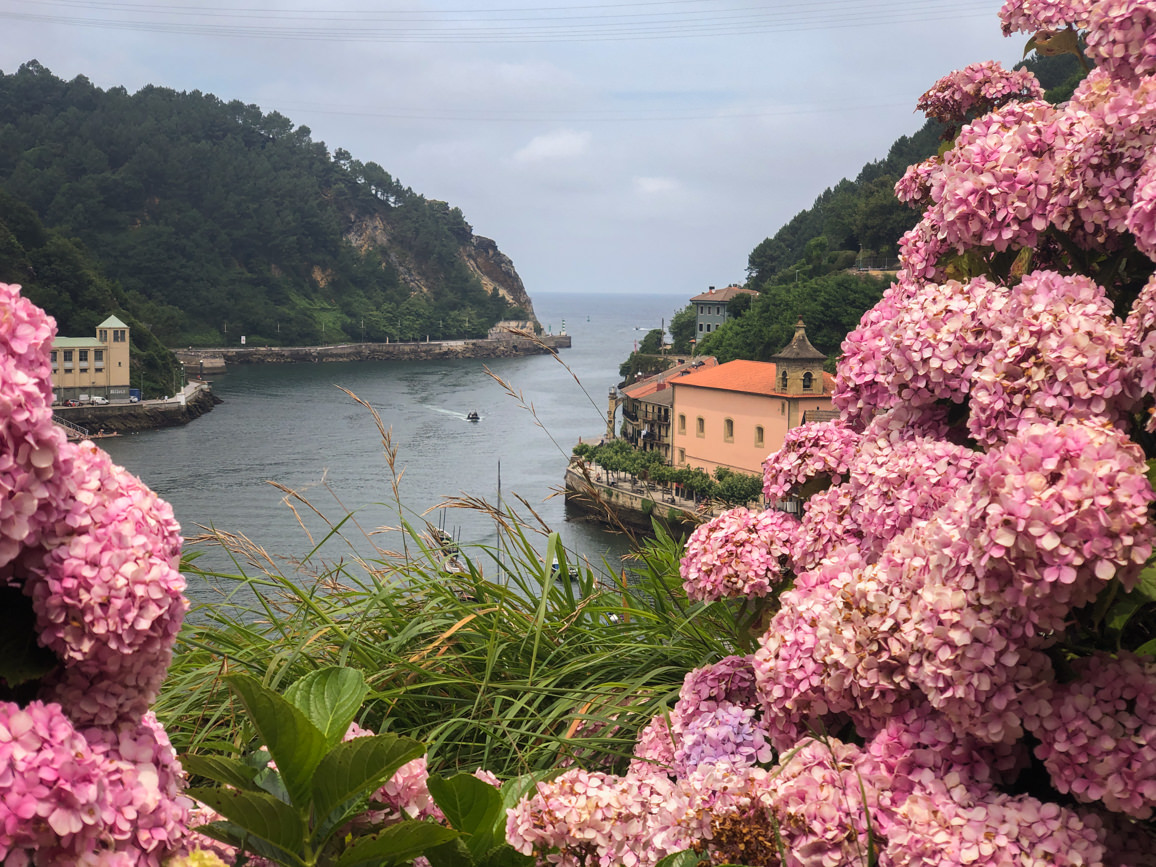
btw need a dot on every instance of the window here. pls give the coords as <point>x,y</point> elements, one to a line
<point>83,358</point>
<point>808,379</point>
<point>729,430</point>
<point>700,328</point>
<point>783,408</point>
<point>98,358</point>
<point>783,381</point>
<point>68,359</point>
<point>103,335</point>
<point>681,423</point>
<point>682,456</point>
<point>118,336</point>
<point>759,435</point>
<point>54,361</point>
<point>700,427</point>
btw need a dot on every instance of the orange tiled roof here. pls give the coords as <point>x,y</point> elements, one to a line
<point>725,294</point>
<point>652,384</point>
<point>752,377</point>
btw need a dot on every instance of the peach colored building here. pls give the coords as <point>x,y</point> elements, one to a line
<point>97,365</point>
<point>736,414</point>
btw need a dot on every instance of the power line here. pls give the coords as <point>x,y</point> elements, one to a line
<point>476,27</point>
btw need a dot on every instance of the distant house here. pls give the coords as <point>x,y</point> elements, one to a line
<point>97,365</point>
<point>737,413</point>
<point>710,308</point>
<point>646,407</point>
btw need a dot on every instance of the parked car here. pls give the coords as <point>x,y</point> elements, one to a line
<point>134,398</point>
<point>99,399</point>
<point>72,401</point>
<point>84,398</point>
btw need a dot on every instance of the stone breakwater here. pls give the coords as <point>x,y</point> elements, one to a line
<point>207,361</point>
<point>123,418</point>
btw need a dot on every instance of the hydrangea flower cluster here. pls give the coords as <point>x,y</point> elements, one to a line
<point>1122,37</point>
<point>595,818</point>
<point>1029,16</point>
<point>976,89</point>
<point>1095,734</point>
<point>810,452</point>
<point>738,553</point>
<point>972,526</point>
<point>1059,356</point>
<point>87,774</point>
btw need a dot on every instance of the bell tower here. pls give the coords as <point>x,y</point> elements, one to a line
<point>799,371</point>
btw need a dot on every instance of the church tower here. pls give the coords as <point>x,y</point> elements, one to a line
<point>799,370</point>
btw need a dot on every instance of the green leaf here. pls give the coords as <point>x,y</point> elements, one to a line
<point>296,745</point>
<point>1148,648</point>
<point>472,806</point>
<point>1120,613</point>
<point>1152,472</point>
<point>22,659</point>
<point>259,815</point>
<point>221,769</point>
<point>395,845</point>
<point>330,698</point>
<point>1146,586</point>
<point>451,854</point>
<point>356,768</point>
<point>1059,42</point>
<point>685,858</point>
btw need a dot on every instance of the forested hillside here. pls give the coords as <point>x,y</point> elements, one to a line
<point>214,220</point>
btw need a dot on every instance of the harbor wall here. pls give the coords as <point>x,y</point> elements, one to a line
<point>632,503</point>
<point>123,418</point>
<point>208,361</point>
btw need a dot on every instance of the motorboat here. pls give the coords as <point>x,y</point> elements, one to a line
<point>472,415</point>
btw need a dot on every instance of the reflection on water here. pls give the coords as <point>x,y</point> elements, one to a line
<point>294,425</point>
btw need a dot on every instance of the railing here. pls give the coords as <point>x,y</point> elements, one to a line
<point>73,431</point>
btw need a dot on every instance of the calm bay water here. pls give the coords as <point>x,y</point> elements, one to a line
<point>293,425</point>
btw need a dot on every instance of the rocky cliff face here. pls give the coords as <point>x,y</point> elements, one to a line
<point>496,272</point>
<point>493,268</point>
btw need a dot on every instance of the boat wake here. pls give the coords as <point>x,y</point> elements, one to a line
<point>464,416</point>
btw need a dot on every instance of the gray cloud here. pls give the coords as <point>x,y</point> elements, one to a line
<point>639,147</point>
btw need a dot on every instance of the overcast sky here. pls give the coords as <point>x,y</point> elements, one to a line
<point>633,147</point>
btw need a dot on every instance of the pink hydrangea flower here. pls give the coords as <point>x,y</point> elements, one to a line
<point>994,186</point>
<point>583,818</point>
<point>1059,356</point>
<point>1055,515</point>
<point>933,829</point>
<point>827,525</point>
<point>895,485</point>
<point>87,775</point>
<point>1121,37</point>
<point>977,89</point>
<point>817,450</point>
<point>1028,16</point>
<point>1103,137</point>
<point>738,553</point>
<point>824,794</point>
<point>1095,733</point>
